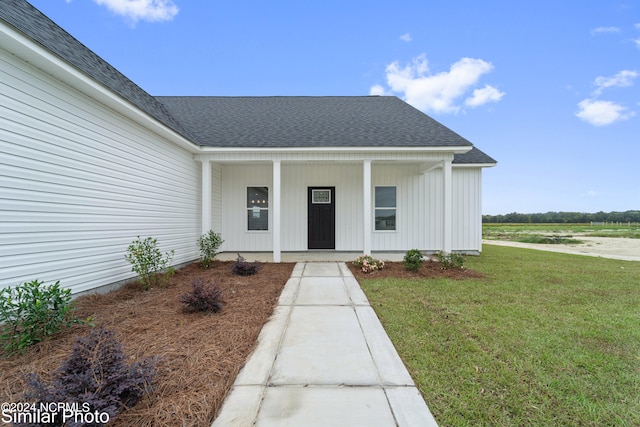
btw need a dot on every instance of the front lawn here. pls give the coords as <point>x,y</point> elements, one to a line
<point>541,339</point>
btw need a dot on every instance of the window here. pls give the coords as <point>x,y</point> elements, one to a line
<point>385,211</point>
<point>322,197</point>
<point>257,208</point>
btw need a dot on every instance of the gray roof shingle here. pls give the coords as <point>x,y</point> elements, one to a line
<point>305,122</point>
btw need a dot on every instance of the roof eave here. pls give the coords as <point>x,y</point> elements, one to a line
<point>343,149</point>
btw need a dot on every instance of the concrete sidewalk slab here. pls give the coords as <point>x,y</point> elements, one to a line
<point>324,359</point>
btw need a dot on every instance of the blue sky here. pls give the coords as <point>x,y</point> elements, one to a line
<point>550,89</point>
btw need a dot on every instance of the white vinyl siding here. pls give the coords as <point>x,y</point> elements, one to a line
<point>79,182</point>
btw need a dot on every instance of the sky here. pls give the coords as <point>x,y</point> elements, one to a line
<point>548,88</point>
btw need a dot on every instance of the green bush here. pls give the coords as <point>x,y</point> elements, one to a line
<point>209,244</point>
<point>30,313</point>
<point>368,264</point>
<point>148,262</point>
<point>451,261</point>
<point>413,260</point>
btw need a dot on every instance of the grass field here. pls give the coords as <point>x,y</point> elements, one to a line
<point>556,233</point>
<point>543,339</point>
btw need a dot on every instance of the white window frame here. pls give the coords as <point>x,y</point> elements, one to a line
<point>251,209</point>
<point>376,208</point>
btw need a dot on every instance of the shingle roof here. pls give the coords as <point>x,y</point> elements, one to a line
<point>38,27</point>
<point>256,122</point>
<point>303,121</point>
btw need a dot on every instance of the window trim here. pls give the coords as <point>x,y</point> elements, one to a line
<point>376,208</point>
<point>250,209</point>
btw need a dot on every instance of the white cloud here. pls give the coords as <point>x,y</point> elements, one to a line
<point>377,90</point>
<point>145,10</point>
<point>439,92</point>
<point>602,113</point>
<point>605,30</point>
<point>406,37</point>
<point>482,96</point>
<point>623,79</point>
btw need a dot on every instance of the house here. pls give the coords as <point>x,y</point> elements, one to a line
<point>89,161</point>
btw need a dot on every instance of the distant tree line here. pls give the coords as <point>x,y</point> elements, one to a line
<point>563,217</point>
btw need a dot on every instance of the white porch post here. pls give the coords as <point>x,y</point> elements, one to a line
<point>447,207</point>
<point>276,210</point>
<point>366,190</point>
<point>206,196</point>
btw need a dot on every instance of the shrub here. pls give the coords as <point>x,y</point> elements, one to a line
<point>451,260</point>
<point>95,376</point>
<point>244,268</point>
<point>203,297</point>
<point>413,260</point>
<point>148,262</point>
<point>31,312</point>
<point>368,264</point>
<point>209,244</point>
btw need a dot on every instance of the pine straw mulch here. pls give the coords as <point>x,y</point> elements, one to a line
<point>200,354</point>
<point>430,269</point>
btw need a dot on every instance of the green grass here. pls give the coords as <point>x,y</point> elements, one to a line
<point>543,339</point>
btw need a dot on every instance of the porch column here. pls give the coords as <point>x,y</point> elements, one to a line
<point>206,196</point>
<point>276,210</point>
<point>447,207</point>
<point>366,208</point>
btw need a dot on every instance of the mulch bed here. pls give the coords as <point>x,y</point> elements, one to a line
<point>200,354</point>
<point>430,269</point>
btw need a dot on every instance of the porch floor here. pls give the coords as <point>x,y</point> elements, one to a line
<point>309,256</point>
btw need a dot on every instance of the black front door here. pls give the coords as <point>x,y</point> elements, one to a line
<point>322,218</point>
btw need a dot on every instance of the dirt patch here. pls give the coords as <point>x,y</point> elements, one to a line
<point>430,269</point>
<point>201,354</point>
<point>606,247</point>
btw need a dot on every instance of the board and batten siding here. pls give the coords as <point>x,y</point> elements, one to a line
<point>467,209</point>
<point>79,182</point>
<point>419,205</point>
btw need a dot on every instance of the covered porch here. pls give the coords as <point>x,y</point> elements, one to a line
<point>422,211</point>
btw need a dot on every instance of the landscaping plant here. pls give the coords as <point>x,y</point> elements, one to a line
<point>451,260</point>
<point>96,376</point>
<point>203,297</point>
<point>149,263</point>
<point>368,264</point>
<point>209,244</point>
<point>31,312</point>
<point>413,260</point>
<point>244,268</point>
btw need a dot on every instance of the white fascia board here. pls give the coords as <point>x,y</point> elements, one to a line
<point>33,53</point>
<point>261,150</point>
<point>474,165</point>
<point>264,154</point>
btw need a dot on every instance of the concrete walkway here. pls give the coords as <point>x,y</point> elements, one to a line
<point>323,359</point>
